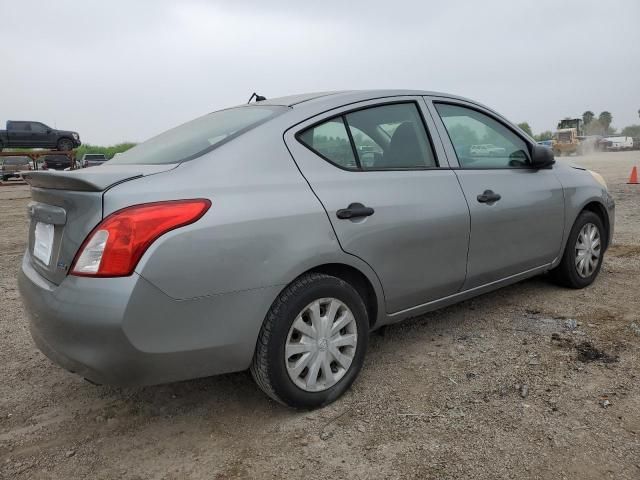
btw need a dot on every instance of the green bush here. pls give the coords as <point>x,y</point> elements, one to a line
<point>109,152</point>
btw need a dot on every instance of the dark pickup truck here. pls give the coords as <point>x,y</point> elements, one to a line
<point>22,134</point>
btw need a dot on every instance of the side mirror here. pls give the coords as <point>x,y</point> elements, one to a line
<point>542,157</point>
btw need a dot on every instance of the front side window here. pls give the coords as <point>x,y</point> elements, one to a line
<point>480,141</point>
<point>38,127</point>
<point>386,137</point>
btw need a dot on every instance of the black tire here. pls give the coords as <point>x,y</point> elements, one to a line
<point>65,145</point>
<point>566,273</point>
<point>268,367</point>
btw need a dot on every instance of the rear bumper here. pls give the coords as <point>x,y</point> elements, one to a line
<point>124,331</point>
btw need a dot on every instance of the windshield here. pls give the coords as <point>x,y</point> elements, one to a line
<point>197,137</point>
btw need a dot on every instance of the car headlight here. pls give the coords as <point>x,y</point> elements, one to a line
<point>599,178</point>
<point>75,136</point>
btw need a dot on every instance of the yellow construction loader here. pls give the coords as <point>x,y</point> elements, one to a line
<point>566,139</point>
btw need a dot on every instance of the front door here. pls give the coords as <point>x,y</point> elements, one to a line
<point>517,212</point>
<point>391,198</point>
<point>42,135</point>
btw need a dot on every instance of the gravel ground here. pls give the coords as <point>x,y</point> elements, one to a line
<point>532,381</point>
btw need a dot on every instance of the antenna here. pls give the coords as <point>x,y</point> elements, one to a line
<point>259,98</point>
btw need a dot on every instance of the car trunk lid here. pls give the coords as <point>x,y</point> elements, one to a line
<point>66,206</point>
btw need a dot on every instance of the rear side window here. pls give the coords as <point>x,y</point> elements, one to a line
<point>331,140</point>
<point>386,137</point>
<point>480,141</point>
<point>23,126</point>
<point>197,137</point>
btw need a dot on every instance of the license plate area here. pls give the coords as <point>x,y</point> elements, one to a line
<point>44,234</point>
<point>73,215</point>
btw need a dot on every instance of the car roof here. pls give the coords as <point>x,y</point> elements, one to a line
<point>291,100</point>
<point>343,97</point>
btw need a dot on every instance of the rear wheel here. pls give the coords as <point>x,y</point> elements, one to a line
<point>584,252</point>
<point>65,145</point>
<point>312,343</point>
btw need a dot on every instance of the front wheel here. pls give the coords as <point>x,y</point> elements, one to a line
<point>583,253</point>
<point>65,145</point>
<point>312,343</point>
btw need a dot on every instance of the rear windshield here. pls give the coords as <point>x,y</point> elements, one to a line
<point>197,137</point>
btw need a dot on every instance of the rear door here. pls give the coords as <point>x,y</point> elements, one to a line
<point>517,212</point>
<point>389,194</point>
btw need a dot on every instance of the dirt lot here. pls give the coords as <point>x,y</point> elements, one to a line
<point>532,381</point>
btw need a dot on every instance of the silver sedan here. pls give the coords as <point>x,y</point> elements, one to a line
<point>274,236</point>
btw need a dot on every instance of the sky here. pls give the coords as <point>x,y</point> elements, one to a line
<point>124,70</point>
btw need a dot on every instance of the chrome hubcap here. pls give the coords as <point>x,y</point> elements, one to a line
<point>588,249</point>
<point>321,344</point>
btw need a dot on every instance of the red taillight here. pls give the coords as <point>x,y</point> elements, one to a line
<point>115,246</point>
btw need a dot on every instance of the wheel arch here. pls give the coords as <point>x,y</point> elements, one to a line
<point>361,277</point>
<point>64,137</point>
<point>357,280</point>
<point>600,210</point>
<point>591,204</point>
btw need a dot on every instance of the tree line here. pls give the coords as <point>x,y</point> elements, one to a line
<point>600,125</point>
<point>109,152</point>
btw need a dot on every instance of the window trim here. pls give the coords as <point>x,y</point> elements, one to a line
<point>352,142</point>
<point>343,115</point>
<point>486,113</point>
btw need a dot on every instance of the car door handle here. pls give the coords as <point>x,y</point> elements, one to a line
<point>489,196</point>
<point>354,210</point>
